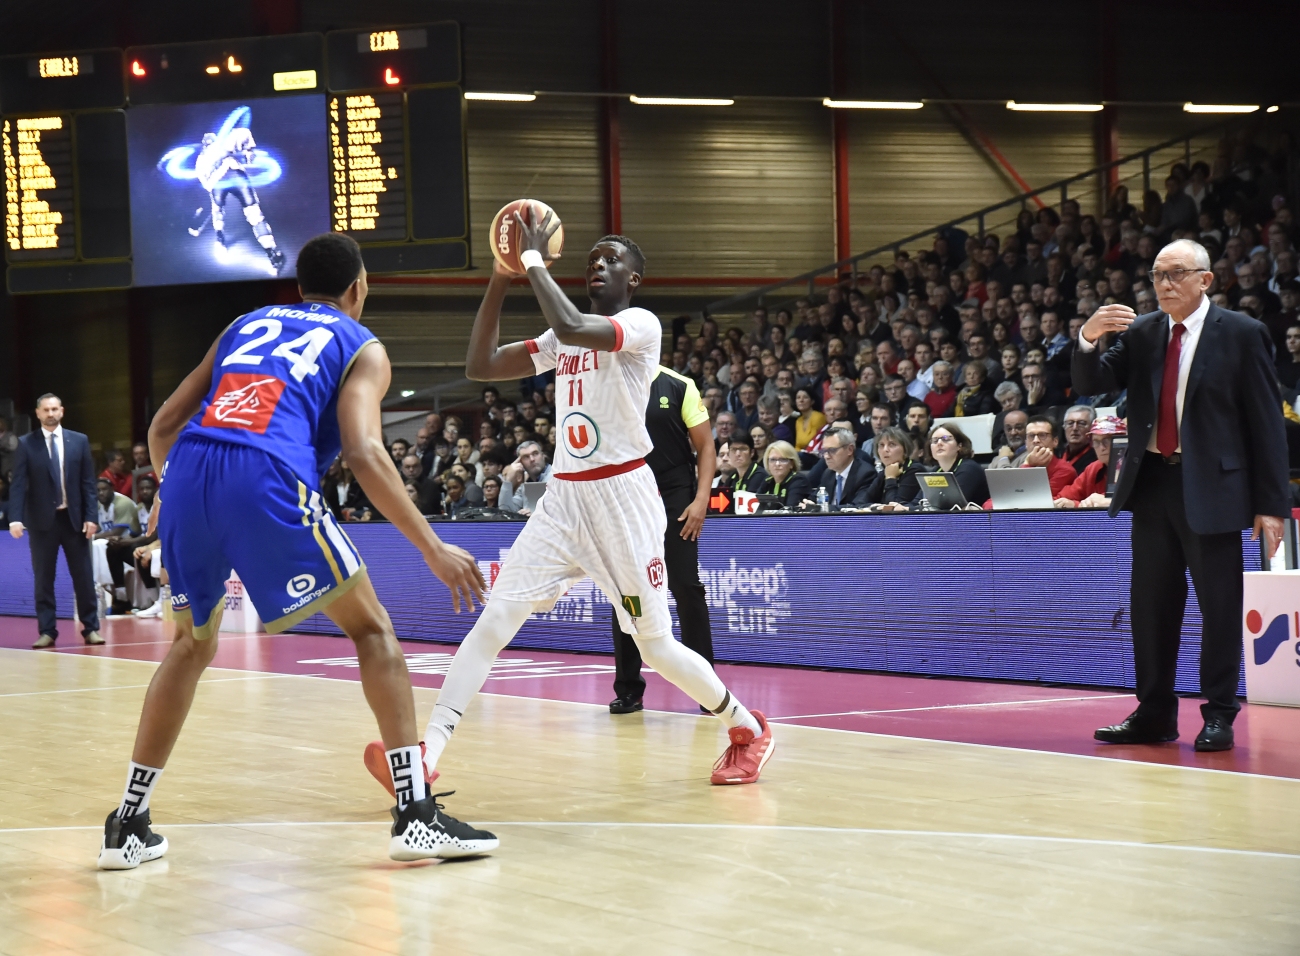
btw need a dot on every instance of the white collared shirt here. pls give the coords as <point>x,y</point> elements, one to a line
<point>1194,324</point>
<point>63,458</point>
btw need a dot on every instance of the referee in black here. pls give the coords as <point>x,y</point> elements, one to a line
<point>679,426</point>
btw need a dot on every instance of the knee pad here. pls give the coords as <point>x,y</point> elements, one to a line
<point>255,219</point>
<point>497,624</point>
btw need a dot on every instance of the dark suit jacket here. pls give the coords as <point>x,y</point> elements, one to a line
<point>857,485</point>
<point>33,495</point>
<point>1233,438</point>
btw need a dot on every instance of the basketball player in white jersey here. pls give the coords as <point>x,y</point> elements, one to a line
<point>601,515</point>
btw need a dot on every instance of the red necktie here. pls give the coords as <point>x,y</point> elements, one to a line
<point>1167,422</point>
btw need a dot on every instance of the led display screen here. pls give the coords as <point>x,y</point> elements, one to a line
<point>227,190</point>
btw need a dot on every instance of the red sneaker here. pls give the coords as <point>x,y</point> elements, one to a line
<point>743,761</point>
<point>376,760</point>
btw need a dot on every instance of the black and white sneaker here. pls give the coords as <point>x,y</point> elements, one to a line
<point>128,844</point>
<point>422,832</point>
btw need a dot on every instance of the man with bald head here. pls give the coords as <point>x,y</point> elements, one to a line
<point>1207,457</point>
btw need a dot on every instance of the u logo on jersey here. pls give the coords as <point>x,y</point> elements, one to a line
<point>581,436</point>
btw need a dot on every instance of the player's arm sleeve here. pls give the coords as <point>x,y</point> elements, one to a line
<point>638,331</point>
<point>543,350</point>
<point>693,410</point>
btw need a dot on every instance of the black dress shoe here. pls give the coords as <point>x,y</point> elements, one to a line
<point>625,705</point>
<point>1215,735</point>
<point>1136,729</point>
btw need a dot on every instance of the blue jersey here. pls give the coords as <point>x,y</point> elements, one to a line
<point>275,384</point>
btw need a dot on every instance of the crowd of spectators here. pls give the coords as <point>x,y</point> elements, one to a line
<point>454,466</point>
<point>842,393</point>
<point>976,326</point>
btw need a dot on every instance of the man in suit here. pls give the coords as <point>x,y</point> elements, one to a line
<point>53,496</point>
<point>847,478</point>
<point>1207,457</point>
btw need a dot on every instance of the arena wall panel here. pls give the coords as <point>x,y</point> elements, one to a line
<point>728,191</point>
<point>1032,597</point>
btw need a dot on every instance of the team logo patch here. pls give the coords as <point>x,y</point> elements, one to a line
<point>632,604</point>
<point>300,585</point>
<point>581,436</point>
<point>654,571</point>
<point>244,400</point>
<point>180,602</point>
<point>663,401</point>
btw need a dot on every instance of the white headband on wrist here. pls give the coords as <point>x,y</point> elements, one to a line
<point>531,258</point>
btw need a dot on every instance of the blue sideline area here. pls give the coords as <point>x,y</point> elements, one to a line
<point>1032,596</point>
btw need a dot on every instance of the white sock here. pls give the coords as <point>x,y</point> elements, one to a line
<point>140,781</point>
<point>692,673</point>
<point>408,774</point>
<point>442,722</point>
<point>497,624</point>
<point>734,714</point>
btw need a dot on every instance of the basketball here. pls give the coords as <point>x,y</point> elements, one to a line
<point>504,237</point>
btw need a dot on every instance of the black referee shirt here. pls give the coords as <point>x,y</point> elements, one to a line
<point>675,407</point>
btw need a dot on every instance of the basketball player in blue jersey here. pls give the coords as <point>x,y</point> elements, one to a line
<point>245,440</point>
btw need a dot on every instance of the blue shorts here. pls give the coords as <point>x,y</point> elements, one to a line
<point>226,505</point>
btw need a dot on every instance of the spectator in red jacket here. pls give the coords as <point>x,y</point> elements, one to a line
<point>118,472</point>
<point>1089,489</point>
<point>1042,438</point>
<point>943,394</point>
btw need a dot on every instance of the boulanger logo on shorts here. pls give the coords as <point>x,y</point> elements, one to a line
<point>581,436</point>
<point>309,596</point>
<point>300,585</point>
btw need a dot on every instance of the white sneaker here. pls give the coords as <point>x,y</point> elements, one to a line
<point>153,610</point>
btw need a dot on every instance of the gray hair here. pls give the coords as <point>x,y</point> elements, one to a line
<point>1200,258</point>
<point>845,436</point>
<point>538,445</point>
<point>1005,390</point>
<point>1092,412</point>
<point>770,403</point>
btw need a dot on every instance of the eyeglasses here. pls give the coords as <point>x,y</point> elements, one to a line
<point>827,452</point>
<point>942,440</point>
<point>1176,275</point>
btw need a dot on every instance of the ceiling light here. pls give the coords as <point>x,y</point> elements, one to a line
<point>1217,108</point>
<point>1055,107</point>
<point>679,101</point>
<point>407,392</point>
<point>871,104</point>
<point>1271,109</point>
<point>502,97</point>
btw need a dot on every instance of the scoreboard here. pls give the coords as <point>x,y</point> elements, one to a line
<point>215,161</point>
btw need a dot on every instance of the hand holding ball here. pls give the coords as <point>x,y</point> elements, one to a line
<point>522,226</point>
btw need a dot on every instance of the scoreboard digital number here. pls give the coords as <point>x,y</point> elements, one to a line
<point>368,166</point>
<point>215,161</point>
<point>39,207</point>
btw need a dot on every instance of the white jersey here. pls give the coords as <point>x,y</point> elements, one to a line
<point>601,397</point>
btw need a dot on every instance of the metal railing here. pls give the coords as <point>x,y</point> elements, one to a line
<point>979,216</point>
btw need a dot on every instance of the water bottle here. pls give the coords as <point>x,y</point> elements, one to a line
<point>823,500</point>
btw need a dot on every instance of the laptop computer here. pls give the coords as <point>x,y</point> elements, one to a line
<point>1019,489</point>
<point>533,491</point>
<point>942,491</point>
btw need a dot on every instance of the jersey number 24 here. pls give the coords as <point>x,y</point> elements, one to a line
<point>301,352</point>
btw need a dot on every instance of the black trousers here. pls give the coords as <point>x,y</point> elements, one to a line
<point>122,553</point>
<point>1164,549</point>
<point>45,557</point>
<point>682,559</point>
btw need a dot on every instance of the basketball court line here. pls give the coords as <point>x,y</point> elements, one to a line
<point>836,730</point>
<point>87,690</point>
<point>986,703</point>
<point>750,827</point>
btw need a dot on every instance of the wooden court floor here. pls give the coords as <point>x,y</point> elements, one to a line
<point>612,839</point>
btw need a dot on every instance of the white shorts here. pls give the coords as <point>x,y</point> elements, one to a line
<point>611,530</point>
